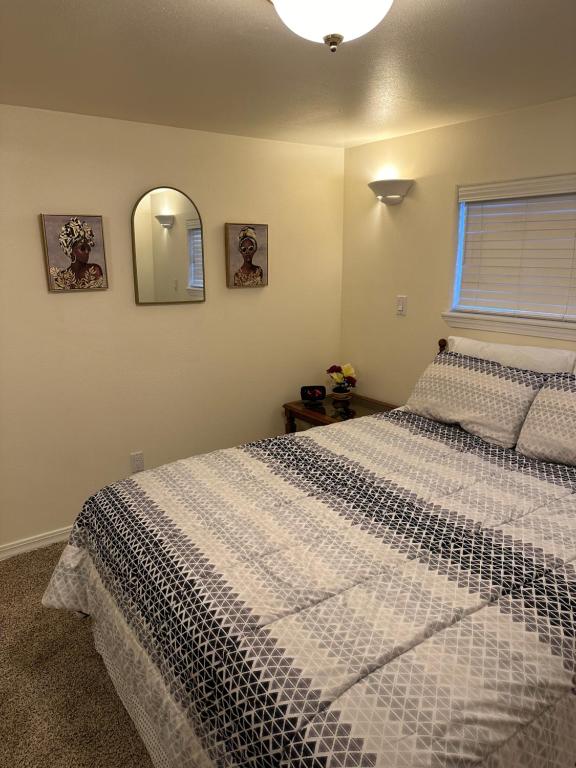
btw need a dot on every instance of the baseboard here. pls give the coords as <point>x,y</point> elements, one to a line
<point>34,542</point>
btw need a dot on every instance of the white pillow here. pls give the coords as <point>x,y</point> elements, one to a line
<point>487,399</point>
<point>549,432</point>
<point>541,359</point>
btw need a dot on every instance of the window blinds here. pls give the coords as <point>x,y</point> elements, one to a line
<point>517,255</point>
<point>195,272</point>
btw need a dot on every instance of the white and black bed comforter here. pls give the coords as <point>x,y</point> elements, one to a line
<point>385,592</point>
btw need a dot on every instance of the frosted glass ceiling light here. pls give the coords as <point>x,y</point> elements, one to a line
<point>331,21</point>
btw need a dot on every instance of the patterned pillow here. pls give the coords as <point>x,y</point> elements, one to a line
<point>549,432</point>
<point>486,398</point>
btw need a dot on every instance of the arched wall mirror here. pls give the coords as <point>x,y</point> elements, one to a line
<point>168,248</point>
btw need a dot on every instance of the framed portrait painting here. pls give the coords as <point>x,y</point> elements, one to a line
<point>246,255</point>
<point>74,251</point>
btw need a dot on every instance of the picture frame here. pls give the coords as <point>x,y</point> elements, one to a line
<point>246,255</point>
<point>74,252</point>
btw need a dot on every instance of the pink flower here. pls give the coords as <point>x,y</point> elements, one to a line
<point>334,369</point>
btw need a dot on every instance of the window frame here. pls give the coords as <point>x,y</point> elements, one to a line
<point>492,321</point>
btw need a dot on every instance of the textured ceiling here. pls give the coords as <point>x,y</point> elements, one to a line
<point>231,66</point>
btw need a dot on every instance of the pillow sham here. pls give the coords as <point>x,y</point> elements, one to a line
<point>542,359</point>
<point>549,432</point>
<point>486,398</point>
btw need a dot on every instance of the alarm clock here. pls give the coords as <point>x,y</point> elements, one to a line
<point>314,393</point>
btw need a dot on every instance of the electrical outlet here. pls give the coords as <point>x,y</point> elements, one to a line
<point>137,461</point>
<point>402,305</point>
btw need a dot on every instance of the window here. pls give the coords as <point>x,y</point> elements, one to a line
<point>196,267</point>
<point>516,260</point>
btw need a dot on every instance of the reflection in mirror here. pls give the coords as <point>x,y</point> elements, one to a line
<point>168,250</point>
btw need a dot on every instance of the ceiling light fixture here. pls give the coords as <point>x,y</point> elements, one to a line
<point>331,21</point>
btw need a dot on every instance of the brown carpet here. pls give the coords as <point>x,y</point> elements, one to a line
<point>58,708</point>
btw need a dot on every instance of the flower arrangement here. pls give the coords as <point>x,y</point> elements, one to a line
<point>342,377</point>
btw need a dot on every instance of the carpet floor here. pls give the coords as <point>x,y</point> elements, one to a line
<point>58,707</point>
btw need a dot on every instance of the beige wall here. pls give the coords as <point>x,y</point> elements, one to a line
<point>142,224</point>
<point>410,249</point>
<point>87,378</point>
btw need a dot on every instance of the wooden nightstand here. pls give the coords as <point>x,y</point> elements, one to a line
<point>329,413</point>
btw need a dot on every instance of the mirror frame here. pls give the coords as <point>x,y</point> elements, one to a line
<point>134,263</point>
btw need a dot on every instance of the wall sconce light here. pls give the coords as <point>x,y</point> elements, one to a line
<point>391,191</point>
<point>166,221</point>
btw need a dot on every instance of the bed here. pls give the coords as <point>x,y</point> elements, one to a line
<point>389,591</point>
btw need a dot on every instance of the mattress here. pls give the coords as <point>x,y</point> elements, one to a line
<point>387,591</point>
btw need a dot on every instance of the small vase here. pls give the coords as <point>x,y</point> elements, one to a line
<point>342,394</point>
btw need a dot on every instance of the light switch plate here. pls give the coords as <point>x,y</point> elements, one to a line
<point>402,305</point>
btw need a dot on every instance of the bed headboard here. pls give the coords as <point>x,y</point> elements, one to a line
<point>442,345</point>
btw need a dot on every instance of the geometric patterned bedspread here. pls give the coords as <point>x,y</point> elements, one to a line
<point>386,592</point>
